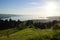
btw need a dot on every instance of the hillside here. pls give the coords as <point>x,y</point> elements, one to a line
<point>34,34</point>
<point>27,30</point>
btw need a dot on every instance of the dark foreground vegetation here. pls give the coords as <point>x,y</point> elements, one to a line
<point>29,30</point>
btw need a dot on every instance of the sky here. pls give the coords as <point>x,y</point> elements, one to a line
<point>30,7</point>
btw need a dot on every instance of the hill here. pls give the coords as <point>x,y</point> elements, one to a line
<point>34,34</point>
<point>6,15</point>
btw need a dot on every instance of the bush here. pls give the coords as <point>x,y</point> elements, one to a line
<point>56,27</point>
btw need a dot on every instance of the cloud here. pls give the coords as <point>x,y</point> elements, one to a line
<point>33,3</point>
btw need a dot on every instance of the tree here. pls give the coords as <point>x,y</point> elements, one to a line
<point>56,27</point>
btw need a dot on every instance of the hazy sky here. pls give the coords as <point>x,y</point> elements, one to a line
<point>30,7</point>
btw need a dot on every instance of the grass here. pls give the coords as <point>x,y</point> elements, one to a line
<point>33,34</point>
<point>4,34</point>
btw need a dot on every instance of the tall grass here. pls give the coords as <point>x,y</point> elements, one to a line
<point>36,34</point>
<point>31,34</point>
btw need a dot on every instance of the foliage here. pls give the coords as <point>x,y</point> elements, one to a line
<point>36,34</point>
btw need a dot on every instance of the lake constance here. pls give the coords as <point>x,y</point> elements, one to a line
<point>23,18</point>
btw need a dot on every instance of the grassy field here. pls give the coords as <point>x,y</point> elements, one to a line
<point>33,34</point>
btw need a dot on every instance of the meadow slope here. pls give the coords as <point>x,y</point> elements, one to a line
<point>34,34</point>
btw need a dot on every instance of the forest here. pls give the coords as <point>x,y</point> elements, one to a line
<point>6,24</point>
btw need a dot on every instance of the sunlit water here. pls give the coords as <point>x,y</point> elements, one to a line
<point>23,18</point>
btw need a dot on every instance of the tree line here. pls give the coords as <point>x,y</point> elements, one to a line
<point>5,24</point>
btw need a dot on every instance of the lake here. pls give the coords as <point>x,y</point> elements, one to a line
<point>23,18</point>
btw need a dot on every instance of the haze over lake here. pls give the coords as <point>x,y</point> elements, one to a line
<point>27,17</point>
<point>24,17</point>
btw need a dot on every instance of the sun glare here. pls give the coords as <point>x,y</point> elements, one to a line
<point>50,8</point>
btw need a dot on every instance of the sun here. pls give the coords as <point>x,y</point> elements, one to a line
<point>50,8</point>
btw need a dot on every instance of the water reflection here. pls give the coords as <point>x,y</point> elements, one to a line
<point>23,18</point>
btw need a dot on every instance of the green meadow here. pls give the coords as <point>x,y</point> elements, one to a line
<point>33,34</point>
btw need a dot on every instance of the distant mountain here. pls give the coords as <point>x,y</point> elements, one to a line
<point>6,15</point>
<point>54,18</point>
